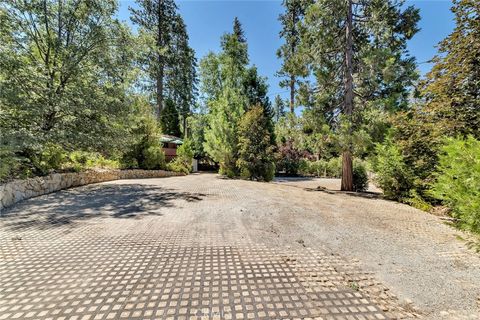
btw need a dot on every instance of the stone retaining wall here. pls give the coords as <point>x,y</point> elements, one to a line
<point>18,190</point>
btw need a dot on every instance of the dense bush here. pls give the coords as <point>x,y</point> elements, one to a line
<point>183,160</point>
<point>392,174</point>
<point>289,158</point>
<point>256,149</point>
<point>360,177</point>
<point>9,164</point>
<point>458,181</point>
<point>146,151</point>
<point>153,158</point>
<point>82,160</point>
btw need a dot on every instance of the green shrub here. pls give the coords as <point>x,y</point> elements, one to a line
<point>360,177</point>
<point>269,172</point>
<point>227,171</point>
<point>458,181</point>
<point>334,168</point>
<point>146,151</point>
<point>392,174</point>
<point>51,157</point>
<point>9,164</point>
<point>153,158</point>
<point>183,160</point>
<point>305,167</point>
<point>83,160</point>
<point>416,201</point>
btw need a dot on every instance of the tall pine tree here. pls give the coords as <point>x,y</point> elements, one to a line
<point>293,67</point>
<point>168,59</point>
<point>452,88</point>
<point>181,74</point>
<point>156,18</point>
<point>357,53</point>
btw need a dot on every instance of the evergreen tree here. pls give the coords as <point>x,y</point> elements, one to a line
<point>156,18</point>
<point>238,31</point>
<point>168,60</point>
<point>278,108</point>
<point>221,139</point>
<point>228,103</point>
<point>256,90</point>
<point>169,119</point>
<point>256,150</point>
<point>357,52</point>
<point>182,74</point>
<point>452,88</point>
<point>293,67</point>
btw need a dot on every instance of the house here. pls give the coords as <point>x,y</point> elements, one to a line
<point>170,145</point>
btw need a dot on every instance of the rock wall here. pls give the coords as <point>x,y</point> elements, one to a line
<point>18,190</point>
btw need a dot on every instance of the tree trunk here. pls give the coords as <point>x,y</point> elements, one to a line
<point>347,165</point>
<point>160,72</point>
<point>347,172</point>
<point>185,126</point>
<point>292,94</point>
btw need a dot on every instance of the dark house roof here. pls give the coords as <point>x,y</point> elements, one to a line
<point>170,139</point>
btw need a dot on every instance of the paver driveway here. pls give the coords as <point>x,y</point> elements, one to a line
<point>202,247</point>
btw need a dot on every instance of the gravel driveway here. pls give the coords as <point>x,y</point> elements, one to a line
<point>204,247</point>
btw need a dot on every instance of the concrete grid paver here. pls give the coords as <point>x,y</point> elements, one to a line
<point>158,249</point>
<point>162,276</point>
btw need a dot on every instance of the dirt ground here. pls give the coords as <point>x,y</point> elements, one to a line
<point>204,247</point>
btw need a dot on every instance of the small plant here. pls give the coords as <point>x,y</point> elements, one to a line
<point>354,286</point>
<point>146,151</point>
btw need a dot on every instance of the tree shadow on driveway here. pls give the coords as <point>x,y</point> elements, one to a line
<point>363,194</point>
<point>94,201</point>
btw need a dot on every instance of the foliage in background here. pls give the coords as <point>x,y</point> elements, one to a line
<point>293,67</point>
<point>197,123</point>
<point>458,180</point>
<point>331,168</point>
<point>356,51</point>
<point>278,108</point>
<point>226,103</point>
<point>256,148</point>
<point>417,165</point>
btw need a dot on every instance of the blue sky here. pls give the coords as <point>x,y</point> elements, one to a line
<point>208,20</point>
